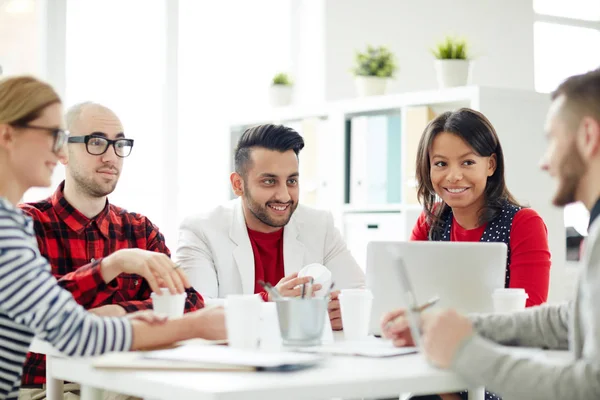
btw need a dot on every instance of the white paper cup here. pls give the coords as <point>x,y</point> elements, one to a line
<point>171,305</point>
<point>270,335</point>
<point>509,300</point>
<point>242,319</point>
<point>356,312</point>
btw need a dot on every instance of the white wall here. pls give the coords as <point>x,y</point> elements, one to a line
<point>500,32</point>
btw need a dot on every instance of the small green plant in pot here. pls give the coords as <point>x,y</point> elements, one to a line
<point>372,70</point>
<point>452,64</point>
<point>281,90</point>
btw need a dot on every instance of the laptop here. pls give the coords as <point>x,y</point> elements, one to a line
<point>462,274</point>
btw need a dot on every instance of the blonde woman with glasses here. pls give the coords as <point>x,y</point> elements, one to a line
<point>32,302</point>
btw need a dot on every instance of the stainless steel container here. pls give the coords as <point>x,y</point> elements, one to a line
<point>301,321</point>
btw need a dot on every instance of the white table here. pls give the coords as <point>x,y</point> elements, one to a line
<point>345,377</point>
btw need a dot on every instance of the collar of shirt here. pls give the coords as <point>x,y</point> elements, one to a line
<point>595,212</point>
<point>76,220</point>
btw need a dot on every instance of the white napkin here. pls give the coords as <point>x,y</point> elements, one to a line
<point>321,275</point>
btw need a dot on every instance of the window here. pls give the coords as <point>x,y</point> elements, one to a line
<point>110,63</point>
<point>127,55</point>
<point>566,36</point>
<point>575,9</point>
<point>561,51</point>
<point>228,53</point>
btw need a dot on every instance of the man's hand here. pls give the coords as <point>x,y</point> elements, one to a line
<point>156,268</point>
<point>109,310</point>
<point>209,322</point>
<point>443,334</point>
<point>291,286</point>
<point>335,311</point>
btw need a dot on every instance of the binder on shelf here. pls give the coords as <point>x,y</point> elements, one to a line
<point>374,162</point>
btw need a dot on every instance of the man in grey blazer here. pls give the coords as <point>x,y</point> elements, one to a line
<point>473,346</point>
<point>264,235</point>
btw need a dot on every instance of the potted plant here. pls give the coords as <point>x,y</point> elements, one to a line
<point>281,90</point>
<point>372,70</point>
<point>452,64</point>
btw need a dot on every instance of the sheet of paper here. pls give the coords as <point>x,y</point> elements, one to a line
<point>134,360</point>
<point>222,355</point>
<point>371,347</point>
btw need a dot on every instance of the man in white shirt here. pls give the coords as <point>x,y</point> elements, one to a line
<point>265,235</point>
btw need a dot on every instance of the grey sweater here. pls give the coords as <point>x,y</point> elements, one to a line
<point>482,360</point>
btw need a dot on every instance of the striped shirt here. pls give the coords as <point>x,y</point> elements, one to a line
<point>31,303</point>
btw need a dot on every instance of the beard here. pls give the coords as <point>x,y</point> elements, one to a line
<point>571,170</point>
<point>92,188</point>
<point>261,212</point>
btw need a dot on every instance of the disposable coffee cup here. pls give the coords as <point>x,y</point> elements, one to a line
<point>356,307</point>
<point>171,305</point>
<point>509,300</point>
<point>243,320</point>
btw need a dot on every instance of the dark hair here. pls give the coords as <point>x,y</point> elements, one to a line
<point>475,129</point>
<point>582,95</point>
<point>272,137</point>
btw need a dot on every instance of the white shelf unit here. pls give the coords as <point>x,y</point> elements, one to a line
<point>517,115</point>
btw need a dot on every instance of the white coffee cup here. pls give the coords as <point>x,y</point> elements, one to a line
<point>356,312</point>
<point>242,319</point>
<point>270,335</point>
<point>171,305</point>
<point>509,299</point>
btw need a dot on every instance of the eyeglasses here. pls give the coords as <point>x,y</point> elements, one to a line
<point>96,144</point>
<point>60,135</point>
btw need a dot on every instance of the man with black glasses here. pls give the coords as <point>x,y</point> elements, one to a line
<point>76,227</point>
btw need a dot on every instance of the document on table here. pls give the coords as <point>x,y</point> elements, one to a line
<point>370,347</point>
<point>221,355</point>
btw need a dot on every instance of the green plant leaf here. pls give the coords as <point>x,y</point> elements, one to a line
<point>450,49</point>
<point>375,61</point>
<point>282,79</point>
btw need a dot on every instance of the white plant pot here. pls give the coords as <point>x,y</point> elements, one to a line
<point>370,85</point>
<point>281,95</point>
<point>452,73</point>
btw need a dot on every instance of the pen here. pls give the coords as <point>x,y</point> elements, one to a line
<point>430,303</point>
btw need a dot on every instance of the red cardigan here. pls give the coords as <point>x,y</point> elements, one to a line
<point>530,256</point>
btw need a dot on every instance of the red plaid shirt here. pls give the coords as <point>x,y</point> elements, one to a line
<point>74,246</point>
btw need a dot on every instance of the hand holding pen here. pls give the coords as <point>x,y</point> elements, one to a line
<point>395,326</point>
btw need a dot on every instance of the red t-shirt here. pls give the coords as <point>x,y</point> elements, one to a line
<point>268,258</point>
<point>529,252</point>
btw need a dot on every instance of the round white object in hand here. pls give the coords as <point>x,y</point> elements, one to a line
<point>321,275</point>
<point>356,307</point>
<point>171,305</point>
<point>509,299</point>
